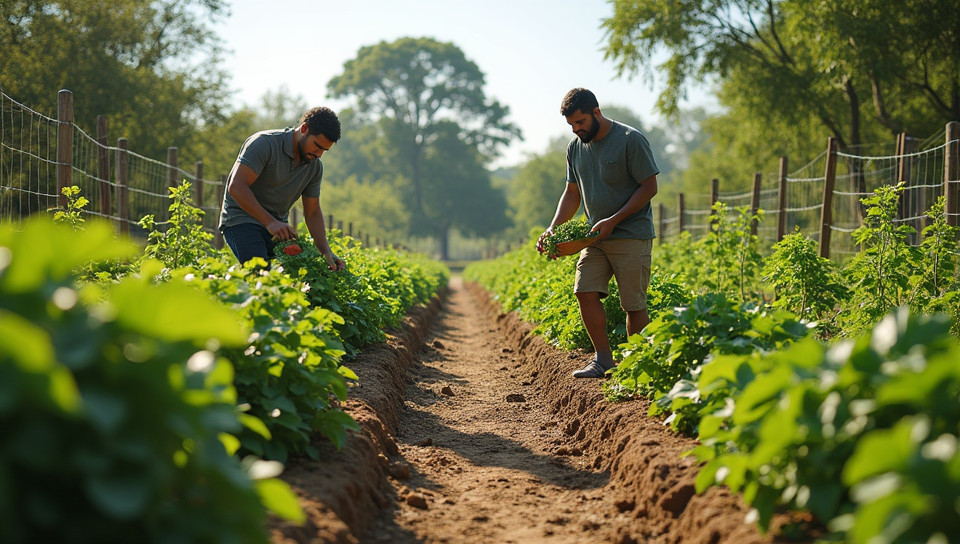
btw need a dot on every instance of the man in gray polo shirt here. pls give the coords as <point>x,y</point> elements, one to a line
<point>612,173</point>
<point>274,169</point>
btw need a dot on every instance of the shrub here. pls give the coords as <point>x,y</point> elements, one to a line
<point>116,412</point>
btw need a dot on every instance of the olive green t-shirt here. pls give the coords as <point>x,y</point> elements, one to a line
<point>608,172</point>
<point>279,183</point>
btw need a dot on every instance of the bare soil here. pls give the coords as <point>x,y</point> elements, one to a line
<point>474,431</point>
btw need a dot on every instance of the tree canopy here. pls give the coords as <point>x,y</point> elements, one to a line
<point>895,62</point>
<point>426,122</point>
<point>150,67</point>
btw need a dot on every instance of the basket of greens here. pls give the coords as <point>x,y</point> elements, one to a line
<point>569,238</point>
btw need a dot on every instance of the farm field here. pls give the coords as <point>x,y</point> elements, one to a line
<point>474,431</point>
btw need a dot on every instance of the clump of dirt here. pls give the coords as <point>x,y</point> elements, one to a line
<point>475,431</point>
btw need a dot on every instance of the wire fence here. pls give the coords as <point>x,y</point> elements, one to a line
<point>40,155</point>
<point>823,198</point>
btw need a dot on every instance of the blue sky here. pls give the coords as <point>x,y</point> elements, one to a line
<point>532,52</point>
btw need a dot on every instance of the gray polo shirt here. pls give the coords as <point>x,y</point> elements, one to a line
<point>279,183</point>
<point>607,172</point>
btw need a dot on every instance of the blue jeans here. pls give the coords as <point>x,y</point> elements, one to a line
<point>248,240</point>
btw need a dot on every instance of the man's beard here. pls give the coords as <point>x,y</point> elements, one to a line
<point>592,131</point>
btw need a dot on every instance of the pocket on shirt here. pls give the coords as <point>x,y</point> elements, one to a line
<point>612,170</point>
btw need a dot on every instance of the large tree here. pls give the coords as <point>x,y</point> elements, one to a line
<point>423,100</point>
<point>150,66</point>
<point>896,61</point>
<point>535,191</point>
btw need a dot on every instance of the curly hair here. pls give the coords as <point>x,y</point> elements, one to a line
<point>578,99</point>
<point>322,120</point>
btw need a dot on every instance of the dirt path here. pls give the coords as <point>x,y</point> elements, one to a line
<point>475,432</point>
<point>488,461</point>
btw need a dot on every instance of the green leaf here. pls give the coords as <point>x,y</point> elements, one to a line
<point>105,411</point>
<point>26,344</point>
<point>44,251</point>
<point>755,400</point>
<point>175,312</point>
<point>121,496</point>
<point>230,443</point>
<point>255,424</point>
<point>278,498</point>
<point>879,451</point>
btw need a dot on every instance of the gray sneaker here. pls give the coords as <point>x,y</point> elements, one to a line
<point>592,370</point>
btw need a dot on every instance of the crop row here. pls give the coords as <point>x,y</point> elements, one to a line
<point>812,385</point>
<point>153,394</point>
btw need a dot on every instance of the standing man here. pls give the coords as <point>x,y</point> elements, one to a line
<point>611,171</point>
<point>274,169</point>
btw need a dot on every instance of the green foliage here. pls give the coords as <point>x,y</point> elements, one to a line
<point>880,272</point>
<point>676,347</point>
<point>863,433</point>
<point>115,408</point>
<point>436,147</point>
<point>184,241</point>
<point>287,375</point>
<point>935,285</point>
<point>804,282</point>
<point>534,192</point>
<point>812,63</point>
<point>73,213</point>
<point>732,254</point>
<point>541,292</point>
<point>575,229</point>
<point>372,294</point>
<point>371,207</point>
<point>684,259</point>
<point>152,67</point>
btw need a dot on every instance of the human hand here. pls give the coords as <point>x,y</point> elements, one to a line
<point>546,234</point>
<point>333,262</point>
<point>282,231</point>
<point>604,228</point>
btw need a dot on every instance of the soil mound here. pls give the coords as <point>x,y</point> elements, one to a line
<point>475,431</point>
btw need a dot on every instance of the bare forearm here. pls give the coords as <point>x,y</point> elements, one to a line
<point>566,208</point>
<point>318,230</point>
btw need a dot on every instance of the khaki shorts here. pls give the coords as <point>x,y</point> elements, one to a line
<point>626,259</point>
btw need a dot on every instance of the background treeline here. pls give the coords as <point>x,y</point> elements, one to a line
<point>421,134</point>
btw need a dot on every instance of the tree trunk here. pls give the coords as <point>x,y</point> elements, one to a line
<point>444,238</point>
<point>857,179</point>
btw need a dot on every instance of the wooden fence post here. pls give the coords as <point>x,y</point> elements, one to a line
<point>910,202</point>
<point>296,218</point>
<point>198,185</point>
<point>330,222</point>
<point>755,202</point>
<point>350,229</point>
<point>681,206</point>
<point>64,144</point>
<point>103,166</point>
<point>217,235</point>
<point>826,211</point>
<point>172,167</point>
<point>951,173</point>
<point>663,223</point>
<point>782,199</point>
<point>714,193</point>
<point>123,194</point>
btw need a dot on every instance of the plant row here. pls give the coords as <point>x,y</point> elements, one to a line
<point>793,371</point>
<point>152,394</point>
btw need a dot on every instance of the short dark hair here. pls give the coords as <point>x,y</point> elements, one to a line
<point>322,120</point>
<point>578,99</point>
